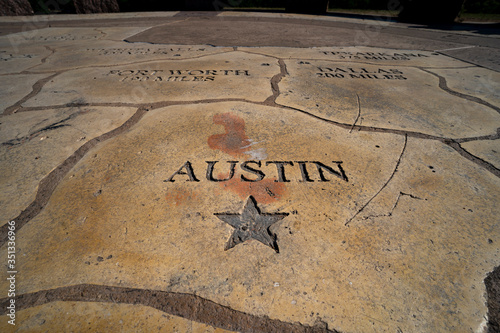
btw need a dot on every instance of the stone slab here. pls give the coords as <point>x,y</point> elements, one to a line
<point>109,53</point>
<point>474,81</point>
<point>363,55</point>
<point>392,97</point>
<point>19,59</point>
<point>296,189</point>
<point>14,87</point>
<point>61,36</point>
<point>34,143</point>
<point>192,79</point>
<point>378,264</point>
<point>477,44</point>
<point>485,56</point>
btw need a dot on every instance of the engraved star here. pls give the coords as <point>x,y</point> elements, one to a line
<point>251,223</point>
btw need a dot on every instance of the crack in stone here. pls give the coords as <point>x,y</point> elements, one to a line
<point>361,61</point>
<point>53,126</point>
<point>44,59</point>
<point>78,104</point>
<point>383,186</point>
<point>464,153</point>
<point>189,306</point>
<point>359,114</point>
<point>418,135</point>
<point>37,87</point>
<point>453,143</point>
<point>464,67</point>
<point>103,34</point>
<point>444,86</point>
<point>481,138</point>
<point>123,63</point>
<point>400,195</point>
<point>49,183</point>
<point>48,56</point>
<point>182,304</point>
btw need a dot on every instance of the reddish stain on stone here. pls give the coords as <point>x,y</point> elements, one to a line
<point>234,141</point>
<point>179,196</point>
<point>264,191</point>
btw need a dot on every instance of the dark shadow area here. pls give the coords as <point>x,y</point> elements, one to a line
<point>479,28</point>
<point>430,11</point>
<point>492,283</point>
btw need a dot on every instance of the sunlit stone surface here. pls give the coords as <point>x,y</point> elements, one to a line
<point>190,187</point>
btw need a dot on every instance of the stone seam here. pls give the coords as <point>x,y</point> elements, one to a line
<point>50,182</point>
<point>444,86</point>
<point>188,306</point>
<point>36,88</point>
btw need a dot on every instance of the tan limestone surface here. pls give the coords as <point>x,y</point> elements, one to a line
<point>486,150</point>
<point>362,54</point>
<point>387,224</point>
<point>376,271</point>
<point>385,96</point>
<point>164,81</point>
<point>475,81</point>
<point>61,36</point>
<point>108,53</point>
<point>102,317</point>
<point>15,58</point>
<point>15,87</point>
<point>34,143</point>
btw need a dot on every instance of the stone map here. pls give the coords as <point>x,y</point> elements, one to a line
<point>194,188</point>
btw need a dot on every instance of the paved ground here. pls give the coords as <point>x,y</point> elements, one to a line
<point>254,172</point>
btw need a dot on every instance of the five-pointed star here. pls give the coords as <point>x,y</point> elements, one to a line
<point>251,223</point>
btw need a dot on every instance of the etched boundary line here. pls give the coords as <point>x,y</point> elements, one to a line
<point>187,306</point>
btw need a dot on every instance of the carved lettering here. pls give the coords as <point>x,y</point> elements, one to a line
<point>143,50</point>
<point>374,55</point>
<point>255,169</point>
<point>303,172</point>
<point>189,172</point>
<point>244,166</point>
<point>173,75</point>
<point>361,73</point>
<point>210,171</point>
<point>340,174</point>
<point>280,165</point>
